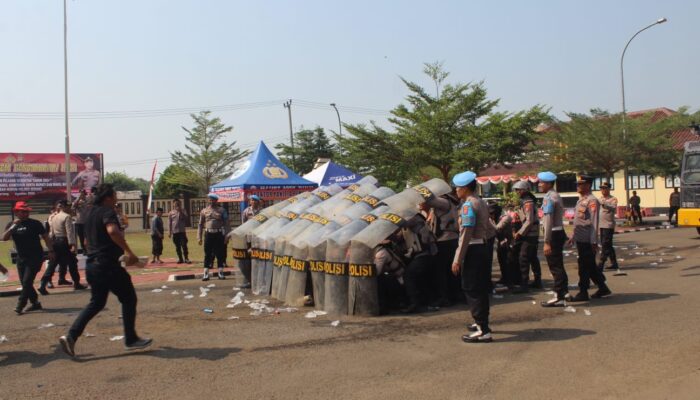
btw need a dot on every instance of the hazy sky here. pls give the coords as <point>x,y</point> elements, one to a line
<point>147,55</point>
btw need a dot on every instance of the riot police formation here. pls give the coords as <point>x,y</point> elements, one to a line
<point>212,230</point>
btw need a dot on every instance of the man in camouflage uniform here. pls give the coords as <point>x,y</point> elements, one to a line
<point>212,230</point>
<point>586,238</point>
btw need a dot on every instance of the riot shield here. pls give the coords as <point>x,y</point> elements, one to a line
<point>335,266</point>
<point>418,194</point>
<point>363,297</point>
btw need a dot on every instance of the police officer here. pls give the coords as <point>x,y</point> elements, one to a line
<point>471,259</point>
<point>212,229</point>
<point>606,224</point>
<point>554,238</point>
<point>89,177</point>
<point>177,230</point>
<point>63,237</point>
<point>586,239</point>
<point>528,235</point>
<point>253,209</point>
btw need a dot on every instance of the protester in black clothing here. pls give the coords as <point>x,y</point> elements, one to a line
<point>26,233</point>
<point>157,234</point>
<point>105,247</point>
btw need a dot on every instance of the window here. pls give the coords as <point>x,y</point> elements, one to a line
<point>566,183</point>
<point>673,181</point>
<point>599,180</point>
<point>640,182</point>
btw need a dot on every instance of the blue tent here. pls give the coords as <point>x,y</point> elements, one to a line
<point>264,175</point>
<point>330,173</point>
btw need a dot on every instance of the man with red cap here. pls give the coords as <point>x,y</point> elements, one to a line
<point>26,233</point>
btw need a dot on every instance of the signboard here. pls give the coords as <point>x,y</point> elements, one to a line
<point>25,176</point>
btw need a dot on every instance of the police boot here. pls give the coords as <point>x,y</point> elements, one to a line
<point>537,283</point>
<point>42,288</point>
<point>205,277</point>
<point>221,275</point>
<point>20,307</point>
<point>581,296</point>
<point>34,307</point>
<point>603,291</point>
<point>518,289</point>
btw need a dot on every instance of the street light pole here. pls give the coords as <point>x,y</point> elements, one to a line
<point>340,125</point>
<point>624,108</point>
<point>288,105</point>
<point>65,98</point>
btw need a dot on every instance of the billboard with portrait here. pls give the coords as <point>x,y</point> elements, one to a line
<point>25,176</point>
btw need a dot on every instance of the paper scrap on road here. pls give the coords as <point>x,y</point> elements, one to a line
<point>335,323</point>
<point>211,285</point>
<point>569,309</point>
<point>89,335</point>
<point>310,314</point>
<point>157,290</point>
<point>587,312</point>
<point>175,292</point>
<point>116,338</point>
<point>46,325</point>
<point>189,296</point>
<point>208,310</point>
<point>4,339</point>
<point>233,317</point>
<point>163,287</point>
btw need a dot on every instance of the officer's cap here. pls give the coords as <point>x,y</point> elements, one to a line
<point>582,178</point>
<point>605,185</point>
<point>521,185</point>
<point>464,178</point>
<point>547,176</point>
<point>255,197</point>
<point>213,196</point>
<point>87,159</point>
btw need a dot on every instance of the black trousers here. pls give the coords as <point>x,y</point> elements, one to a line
<point>447,286</point>
<point>671,212</point>
<point>476,283</point>
<point>489,257</point>
<point>27,268</point>
<point>637,213</point>
<point>391,293</point>
<point>607,250</point>
<point>180,242</point>
<point>527,258</point>
<point>555,261</point>
<point>156,245</point>
<point>104,279</point>
<point>80,231</point>
<point>414,277</point>
<point>214,247</point>
<point>65,259</point>
<point>513,275</point>
<point>587,270</point>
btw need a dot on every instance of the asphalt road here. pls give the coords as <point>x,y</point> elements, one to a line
<point>640,343</point>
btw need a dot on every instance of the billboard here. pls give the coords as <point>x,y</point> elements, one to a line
<point>25,176</point>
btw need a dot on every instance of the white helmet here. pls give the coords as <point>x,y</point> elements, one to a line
<point>521,185</point>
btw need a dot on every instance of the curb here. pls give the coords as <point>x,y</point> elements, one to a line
<point>175,278</point>
<point>9,293</point>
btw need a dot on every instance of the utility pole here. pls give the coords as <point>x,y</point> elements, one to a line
<point>65,98</point>
<point>288,105</point>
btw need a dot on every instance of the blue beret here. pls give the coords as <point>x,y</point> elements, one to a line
<point>213,196</point>
<point>255,197</point>
<point>464,178</point>
<point>547,176</point>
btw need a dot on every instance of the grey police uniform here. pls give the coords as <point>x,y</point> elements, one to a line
<point>586,235</point>
<point>63,236</point>
<point>472,258</point>
<point>554,235</point>
<point>606,224</point>
<point>530,233</point>
<point>212,229</point>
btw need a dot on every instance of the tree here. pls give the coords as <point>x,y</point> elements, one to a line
<point>123,182</point>
<point>208,157</point>
<point>454,130</point>
<point>168,184</point>
<point>596,143</point>
<point>309,145</point>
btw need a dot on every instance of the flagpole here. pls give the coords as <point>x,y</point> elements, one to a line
<point>150,190</point>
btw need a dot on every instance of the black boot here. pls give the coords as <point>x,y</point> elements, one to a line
<point>537,283</point>
<point>581,296</point>
<point>20,307</point>
<point>602,291</point>
<point>42,289</point>
<point>34,307</point>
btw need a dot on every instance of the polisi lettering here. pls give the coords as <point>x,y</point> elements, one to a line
<point>240,254</point>
<point>362,270</point>
<point>335,268</point>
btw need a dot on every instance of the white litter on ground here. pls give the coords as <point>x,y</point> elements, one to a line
<point>4,339</point>
<point>174,292</point>
<point>157,290</point>
<point>534,302</point>
<point>46,325</point>
<point>654,264</point>
<point>89,335</point>
<point>189,296</point>
<point>587,312</point>
<point>569,309</point>
<point>116,338</point>
<point>211,285</point>
<point>335,323</point>
<point>233,317</point>
<point>163,287</point>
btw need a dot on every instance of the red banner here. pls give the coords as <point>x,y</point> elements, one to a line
<point>24,176</point>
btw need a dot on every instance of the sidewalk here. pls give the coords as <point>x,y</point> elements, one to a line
<point>149,274</point>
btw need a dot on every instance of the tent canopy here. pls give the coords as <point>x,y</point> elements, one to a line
<point>262,174</point>
<point>330,173</point>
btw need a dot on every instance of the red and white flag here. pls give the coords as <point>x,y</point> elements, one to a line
<point>150,190</point>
